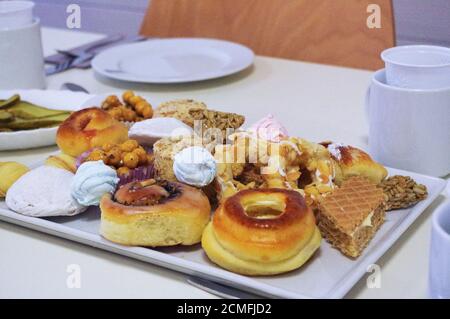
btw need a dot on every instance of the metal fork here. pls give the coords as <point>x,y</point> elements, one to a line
<point>60,67</point>
<point>68,63</point>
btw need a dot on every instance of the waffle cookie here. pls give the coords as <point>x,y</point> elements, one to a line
<point>350,216</point>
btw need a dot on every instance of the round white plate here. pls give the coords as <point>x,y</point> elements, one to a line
<point>60,100</point>
<point>175,60</point>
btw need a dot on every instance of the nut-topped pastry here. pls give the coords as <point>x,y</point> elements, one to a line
<point>191,112</point>
<point>124,157</point>
<point>402,192</point>
<point>180,109</point>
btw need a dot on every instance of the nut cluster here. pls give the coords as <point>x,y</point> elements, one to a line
<point>133,108</point>
<point>123,157</point>
<point>402,192</point>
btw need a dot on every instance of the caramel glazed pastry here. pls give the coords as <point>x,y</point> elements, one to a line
<point>262,232</point>
<point>154,213</point>
<point>350,161</point>
<point>293,163</point>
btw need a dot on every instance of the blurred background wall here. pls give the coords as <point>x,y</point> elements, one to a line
<point>417,21</point>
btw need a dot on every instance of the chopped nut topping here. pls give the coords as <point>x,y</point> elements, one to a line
<point>402,192</point>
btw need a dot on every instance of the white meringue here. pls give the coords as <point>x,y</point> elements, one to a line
<point>149,131</point>
<point>44,191</point>
<point>268,128</point>
<point>92,181</point>
<point>195,166</point>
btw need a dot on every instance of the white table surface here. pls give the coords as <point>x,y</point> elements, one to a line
<point>314,101</point>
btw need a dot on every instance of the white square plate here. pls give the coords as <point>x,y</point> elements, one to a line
<point>328,274</point>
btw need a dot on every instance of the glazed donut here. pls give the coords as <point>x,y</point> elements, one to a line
<point>262,232</point>
<point>154,213</point>
<point>89,128</point>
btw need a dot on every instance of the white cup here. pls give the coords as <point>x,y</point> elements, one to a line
<point>21,58</point>
<point>15,14</point>
<point>417,66</point>
<point>409,129</point>
<point>439,266</point>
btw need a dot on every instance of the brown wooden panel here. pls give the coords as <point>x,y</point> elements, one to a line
<point>323,31</point>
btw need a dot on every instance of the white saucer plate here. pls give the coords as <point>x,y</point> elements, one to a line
<point>52,99</point>
<point>175,60</point>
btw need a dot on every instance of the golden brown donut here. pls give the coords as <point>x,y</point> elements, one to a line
<point>89,128</point>
<point>154,213</point>
<point>262,232</point>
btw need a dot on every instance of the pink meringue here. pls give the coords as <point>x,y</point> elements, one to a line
<point>268,128</point>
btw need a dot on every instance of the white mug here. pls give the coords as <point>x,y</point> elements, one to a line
<point>409,129</point>
<point>439,266</point>
<point>21,58</point>
<point>417,66</point>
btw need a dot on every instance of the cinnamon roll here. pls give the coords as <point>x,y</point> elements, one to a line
<point>154,213</point>
<point>262,232</point>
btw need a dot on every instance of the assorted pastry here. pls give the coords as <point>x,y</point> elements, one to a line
<point>42,192</point>
<point>123,157</point>
<point>262,232</point>
<point>10,172</point>
<point>154,213</point>
<point>350,216</point>
<point>87,129</point>
<point>157,175</point>
<point>209,121</point>
<point>402,192</point>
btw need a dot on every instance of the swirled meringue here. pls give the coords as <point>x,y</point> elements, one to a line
<point>92,181</point>
<point>268,128</point>
<point>195,166</point>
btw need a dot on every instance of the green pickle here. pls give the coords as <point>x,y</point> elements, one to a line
<point>9,102</point>
<point>6,117</point>
<point>16,115</point>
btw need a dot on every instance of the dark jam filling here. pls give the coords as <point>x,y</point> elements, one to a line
<point>173,191</point>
